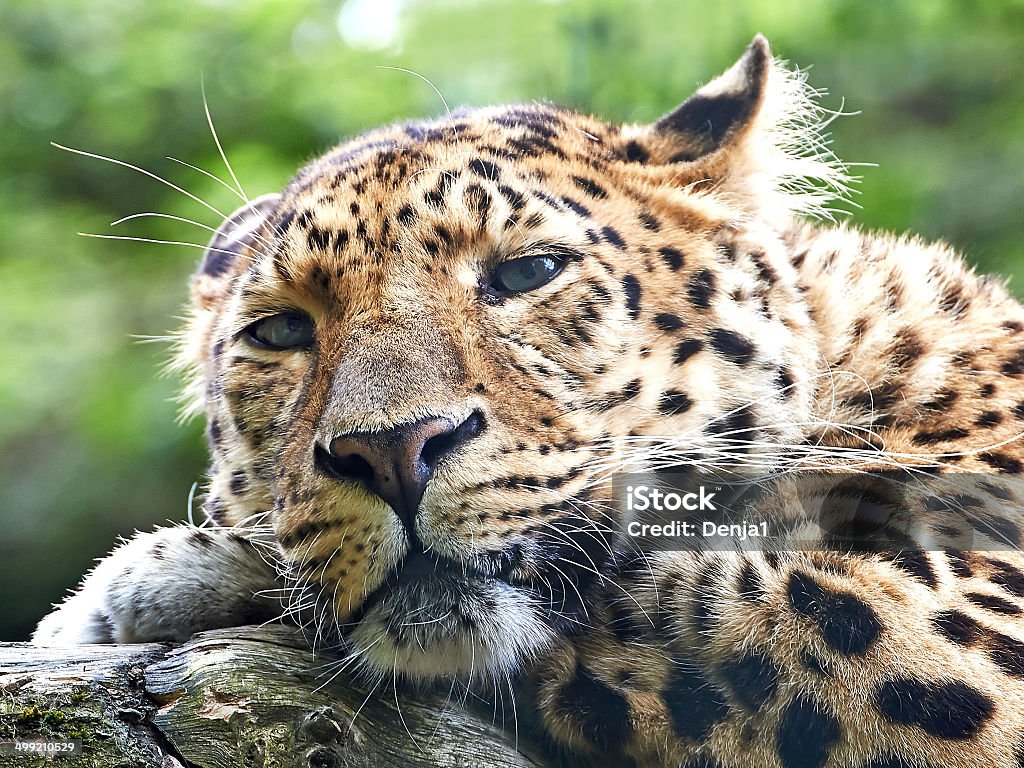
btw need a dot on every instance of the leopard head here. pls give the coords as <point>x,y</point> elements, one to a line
<point>420,362</point>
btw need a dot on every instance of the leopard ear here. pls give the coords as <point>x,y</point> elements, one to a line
<point>237,233</point>
<point>757,134</point>
<point>722,111</point>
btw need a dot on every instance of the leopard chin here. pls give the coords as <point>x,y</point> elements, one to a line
<point>434,618</point>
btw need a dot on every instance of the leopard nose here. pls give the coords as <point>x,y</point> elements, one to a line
<point>396,464</point>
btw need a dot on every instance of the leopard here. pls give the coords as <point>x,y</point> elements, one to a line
<point>424,363</point>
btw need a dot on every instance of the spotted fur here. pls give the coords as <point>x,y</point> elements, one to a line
<point>698,321</point>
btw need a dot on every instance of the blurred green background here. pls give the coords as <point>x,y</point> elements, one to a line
<point>90,447</point>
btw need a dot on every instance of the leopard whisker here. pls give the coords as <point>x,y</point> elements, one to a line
<point>220,148</point>
<point>212,176</point>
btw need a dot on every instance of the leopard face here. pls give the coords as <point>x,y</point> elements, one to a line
<point>422,360</point>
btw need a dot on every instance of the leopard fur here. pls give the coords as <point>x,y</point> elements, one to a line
<point>698,316</point>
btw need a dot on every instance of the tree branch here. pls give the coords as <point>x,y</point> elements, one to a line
<point>230,698</point>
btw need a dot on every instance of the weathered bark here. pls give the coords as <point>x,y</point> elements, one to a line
<point>239,697</point>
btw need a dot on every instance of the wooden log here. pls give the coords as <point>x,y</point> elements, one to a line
<point>233,699</point>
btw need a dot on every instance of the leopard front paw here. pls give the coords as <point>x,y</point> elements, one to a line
<point>163,587</point>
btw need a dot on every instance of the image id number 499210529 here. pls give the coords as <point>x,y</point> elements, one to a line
<point>30,747</point>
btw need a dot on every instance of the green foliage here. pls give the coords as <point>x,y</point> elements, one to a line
<point>89,443</point>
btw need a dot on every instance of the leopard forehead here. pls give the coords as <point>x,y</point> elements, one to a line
<point>497,180</point>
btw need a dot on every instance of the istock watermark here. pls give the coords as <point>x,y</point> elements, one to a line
<point>810,510</point>
<point>641,498</point>
<point>647,498</point>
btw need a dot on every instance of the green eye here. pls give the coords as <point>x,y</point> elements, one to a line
<point>526,274</point>
<point>288,330</point>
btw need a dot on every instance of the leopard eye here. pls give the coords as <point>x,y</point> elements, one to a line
<point>287,330</point>
<point>526,273</point>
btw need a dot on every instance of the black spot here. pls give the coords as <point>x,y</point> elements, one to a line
<point>784,380</point>
<point>340,241</point>
<point>534,220</point>
<point>672,257</point>
<point>738,428</point>
<point>513,197</point>
<point>1008,577</point>
<point>997,490</point>
<point>577,207</point>
<point>702,289</point>
<point>733,346</point>
<point>944,400</point>
<point>666,321</point>
<point>631,390</point>
<point>947,710</point>
<point>958,627</point>
<point>1002,462</point>
<point>958,563</point>
<point>200,538</point>
<point>686,349</point>
<point>214,509</point>
<point>443,234</point>
<point>993,603</point>
<point>318,239</point>
<point>632,288</point>
<point>673,401</point>
<point>484,168</point>
<point>214,431</point>
<point>614,238</point>
<point>1015,365</point>
<point>649,222</point>
<point>940,436</point>
<point>916,563</point>
<point>694,704</point>
<point>1002,530</point>
<point>754,679</point>
<point>239,482</point>
<point>592,188</point>
<point>764,269</point>
<point>907,349</point>
<point>989,419</point>
<point>806,734</point>
<point>601,713</point>
<point>1008,654</point>
<point>635,153</point>
<point>406,215</point>
<point>847,623</point>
